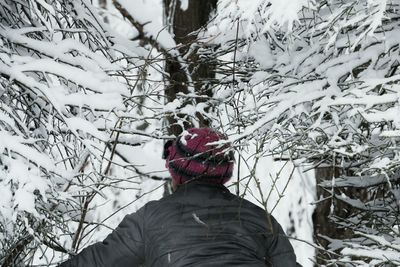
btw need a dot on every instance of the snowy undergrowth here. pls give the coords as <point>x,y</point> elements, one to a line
<point>312,81</point>
<point>320,84</point>
<point>66,102</point>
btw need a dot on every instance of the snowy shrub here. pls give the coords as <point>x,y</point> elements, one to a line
<point>307,81</point>
<point>317,81</point>
<point>63,84</point>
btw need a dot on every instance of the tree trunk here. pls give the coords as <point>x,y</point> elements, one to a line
<point>322,224</point>
<point>328,208</point>
<point>182,23</point>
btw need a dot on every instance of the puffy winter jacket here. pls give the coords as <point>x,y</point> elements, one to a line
<point>198,225</point>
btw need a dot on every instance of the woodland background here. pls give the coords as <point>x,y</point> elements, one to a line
<point>307,91</point>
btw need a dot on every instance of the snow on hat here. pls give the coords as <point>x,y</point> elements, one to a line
<point>191,156</point>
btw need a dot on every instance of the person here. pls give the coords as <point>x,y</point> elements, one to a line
<point>200,224</point>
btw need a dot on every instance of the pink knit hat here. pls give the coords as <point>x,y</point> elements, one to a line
<point>191,156</point>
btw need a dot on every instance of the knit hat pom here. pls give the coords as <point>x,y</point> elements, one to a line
<point>196,155</point>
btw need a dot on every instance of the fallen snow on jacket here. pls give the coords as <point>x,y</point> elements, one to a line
<point>199,225</point>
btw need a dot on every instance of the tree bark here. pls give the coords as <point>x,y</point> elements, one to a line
<point>183,24</point>
<point>328,208</point>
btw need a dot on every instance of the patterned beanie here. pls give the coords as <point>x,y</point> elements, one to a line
<point>191,156</point>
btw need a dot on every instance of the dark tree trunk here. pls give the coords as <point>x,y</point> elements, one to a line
<point>322,224</point>
<point>183,24</point>
<point>329,208</point>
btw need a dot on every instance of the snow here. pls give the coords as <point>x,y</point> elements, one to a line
<point>21,146</point>
<point>76,124</point>
<point>382,255</point>
<point>172,106</point>
<point>59,50</point>
<point>105,101</point>
<point>184,4</point>
<point>262,53</point>
<point>278,12</point>
<point>31,181</point>
<point>362,181</point>
<point>308,90</point>
<point>95,81</point>
<point>149,14</point>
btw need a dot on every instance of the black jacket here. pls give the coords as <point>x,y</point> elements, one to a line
<point>199,225</point>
